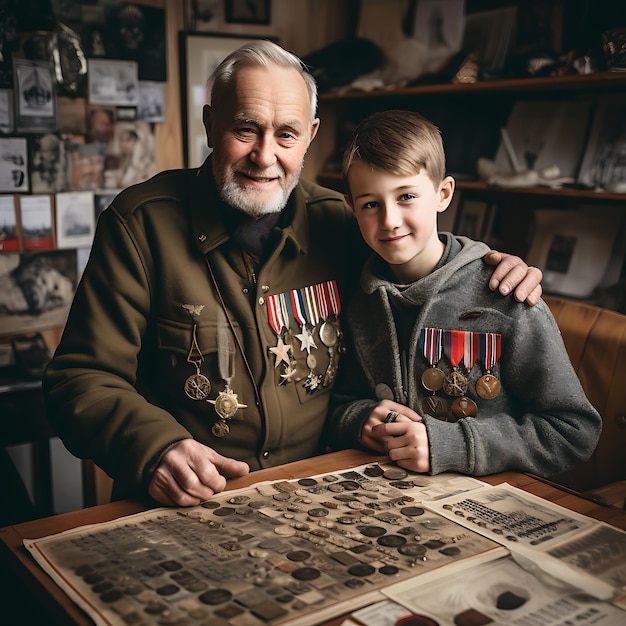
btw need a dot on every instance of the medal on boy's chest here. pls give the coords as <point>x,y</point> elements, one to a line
<point>431,344</point>
<point>454,384</point>
<point>197,386</point>
<point>488,386</point>
<point>464,406</point>
<point>227,402</point>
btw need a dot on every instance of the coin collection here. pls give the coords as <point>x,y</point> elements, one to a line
<point>273,553</point>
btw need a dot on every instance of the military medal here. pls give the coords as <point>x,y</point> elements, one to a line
<point>197,386</point>
<point>454,384</point>
<point>328,332</point>
<point>488,386</point>
<point>431,344</point>
<point>464,406</point>
<point>227,403</point>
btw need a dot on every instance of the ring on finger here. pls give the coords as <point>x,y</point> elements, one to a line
<point>392,416</point>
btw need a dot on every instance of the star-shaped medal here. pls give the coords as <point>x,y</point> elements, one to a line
<point>306,341</point>
<point>289,373</point>
<point>282,351</point>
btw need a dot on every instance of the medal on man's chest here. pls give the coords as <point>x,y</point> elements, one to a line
<point>227,402</point>
<point>197,386</point>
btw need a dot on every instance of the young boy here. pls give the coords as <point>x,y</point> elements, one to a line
<point>440,373</point>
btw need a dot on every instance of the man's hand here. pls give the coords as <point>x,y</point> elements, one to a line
<point>190,473</point>
<point>511,274</point>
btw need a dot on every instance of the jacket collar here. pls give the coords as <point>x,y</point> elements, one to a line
<point>207,210</point>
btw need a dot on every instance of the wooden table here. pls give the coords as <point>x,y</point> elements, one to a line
<point>32,591</point>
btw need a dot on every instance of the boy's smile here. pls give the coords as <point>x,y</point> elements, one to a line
<point>397,215</point>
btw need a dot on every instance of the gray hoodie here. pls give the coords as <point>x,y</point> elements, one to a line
<point>540,422</point>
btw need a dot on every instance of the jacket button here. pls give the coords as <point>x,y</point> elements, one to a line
<point>265,288</point>
<point>261,300</point>
<point>245,290</point>
<point>266,454</point>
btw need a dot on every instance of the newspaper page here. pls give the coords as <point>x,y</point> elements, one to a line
<point>291,552</point>
<point>570,546</point>
<point>503,592</point>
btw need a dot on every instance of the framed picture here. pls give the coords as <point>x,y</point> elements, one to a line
<point>36,222</point>
<point>9,239</point>
<point>573,249</point>
<point>248,11</point>
<point>472,219</point>
<point>35,96</point>
<point>603,164</point>
<point>6,111</point>
<point>200,54</point>
<point>75,219</point>
<point>13,165</point>
<point>113,82</point>
<point>36,290</point>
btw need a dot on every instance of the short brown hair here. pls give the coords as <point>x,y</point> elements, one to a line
<point>400,142</point>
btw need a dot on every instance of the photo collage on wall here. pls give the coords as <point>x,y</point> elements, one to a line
<point>81,91</point>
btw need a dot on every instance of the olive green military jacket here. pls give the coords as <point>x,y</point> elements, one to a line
<point>115,389</point>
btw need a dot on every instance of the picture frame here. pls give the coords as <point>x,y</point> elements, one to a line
<point>200,54</point>
<point>14,165</point>
<point>36,222</point>
<point>248,11</point>
<point>6,111</point>
<point>9,236</point>
<point>36,290</point>
<point>35,96</point>
<point>602,162</point>
<point>573,249</point>
<point>75,219</point>
<point>113,82</point>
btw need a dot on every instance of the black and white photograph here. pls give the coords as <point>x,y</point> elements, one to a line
<point>203,15</point>
<point>9,237</point>
<point>151,101</point>
<point>13,165</point>
<point>35,96</point>
<point>248,11</point>
<point>572,249</point>
<point>473,216</point>
<point>6,111</point>
<point>75,223</point>
<point>542,134</point>
<point>102,200</point>
<point>36,290</point>
<point>87,166</point>
<point>131,155</point>
<point>49,162</point>
<point>113,82</point>
<point>604,161</point>
<point>36,222</point>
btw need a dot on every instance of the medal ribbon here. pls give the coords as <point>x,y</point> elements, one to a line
<point>311,305</point>
<point>297,303</point>
<point>490,349</point>
<point>334,304</point>
<point>472,347</point>
<point>431,344</point>
<point>286,310</point>
<point>322,301</point>
<point>454,345</point>
<point>274,313</point>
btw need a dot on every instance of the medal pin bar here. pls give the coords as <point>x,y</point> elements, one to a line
<point>311,306</point>
<point>488,386</point>
<point>431,344</point>
<point>197,386</point>
<point>464,406</point>
<point>227,403</point>
<point>329,333</point>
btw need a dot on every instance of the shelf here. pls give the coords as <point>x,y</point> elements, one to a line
<point>334,180</point>
<point>589,82</point>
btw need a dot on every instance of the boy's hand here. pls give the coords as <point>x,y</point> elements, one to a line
<point>512,273</point>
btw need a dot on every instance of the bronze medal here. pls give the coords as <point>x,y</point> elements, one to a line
<point>226,404</point>
<point>488,387</point>
<point>220,429</point>
<point>433,378</point>
<point>197,387</point>
<point>455,384</point>
<point>464,407</point>
<point>435,406</point>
